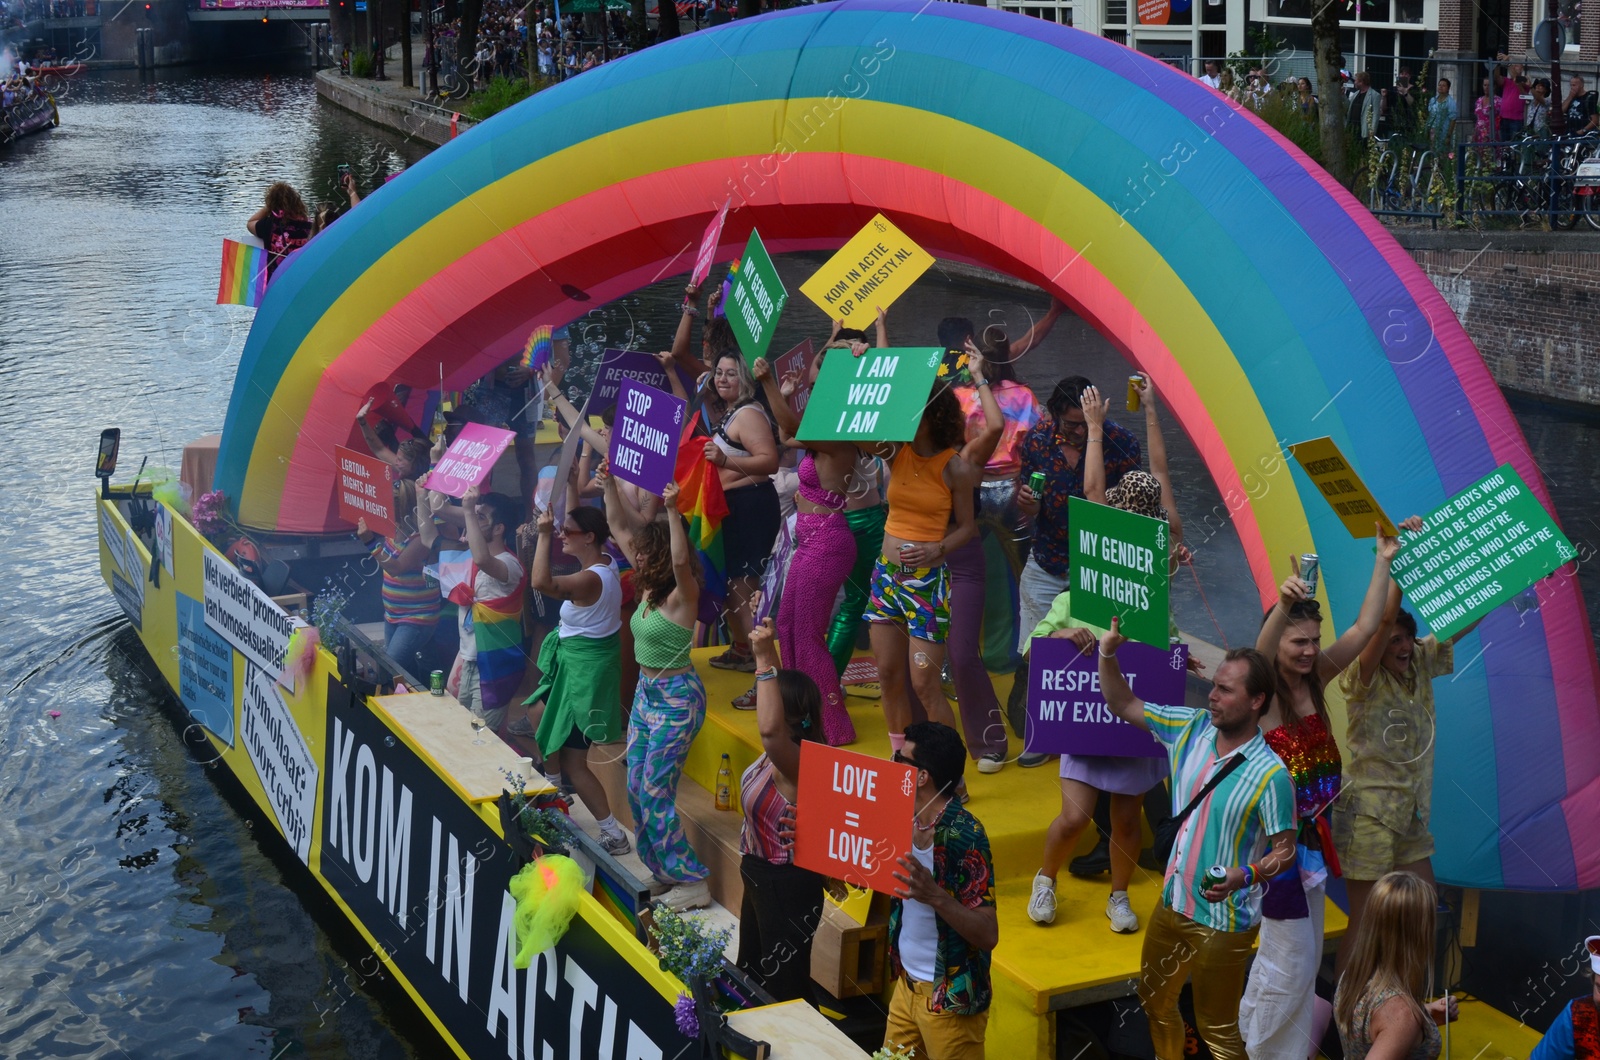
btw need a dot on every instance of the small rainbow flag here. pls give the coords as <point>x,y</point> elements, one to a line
<point>536,354</point>
<point>704,507</point>
<point>244,274</point>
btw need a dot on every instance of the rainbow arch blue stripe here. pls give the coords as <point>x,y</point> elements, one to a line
<point>1270,306</point>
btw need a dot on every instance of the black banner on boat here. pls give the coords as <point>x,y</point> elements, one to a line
<point>427,878</point>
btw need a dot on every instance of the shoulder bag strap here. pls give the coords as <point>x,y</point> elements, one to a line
<point>1216,778</point>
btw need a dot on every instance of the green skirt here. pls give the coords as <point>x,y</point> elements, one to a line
<point>580,686</point>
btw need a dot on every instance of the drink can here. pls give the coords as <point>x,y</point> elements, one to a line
<point>1308,571</point>
<point>1133,391</point>
<point>904,548</point>
<point>1036,484</point>
<point>436,682</point>
<point>1216,876</point>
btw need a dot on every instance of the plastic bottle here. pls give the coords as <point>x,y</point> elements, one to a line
<point>725,785</point>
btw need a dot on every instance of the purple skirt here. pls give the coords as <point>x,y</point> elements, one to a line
<point>1119,776</point>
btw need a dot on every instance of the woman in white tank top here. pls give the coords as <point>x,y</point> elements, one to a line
<point>576,698</point>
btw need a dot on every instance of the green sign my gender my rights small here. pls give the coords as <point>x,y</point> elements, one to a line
<point>877,397</point>
<point>1119,567</point>
<point>755,300</point>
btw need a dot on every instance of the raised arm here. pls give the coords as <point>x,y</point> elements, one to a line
<point>669,365</point>
<point>981,447</point>
<point>1372,654</point>
<point>488,562</point>
<point>1119,696</point>
<point>682,338</point>
<point>1094,448</point>
<point>582,588</point>
<point>374,443</point>
<point>1158,468</point>
<point>776,739</point>
<point>685,564</point>
<point>1291,592</point>
<point>882,329</point>
<point>788,423</point>
<point>1345,650</point>
<point>1036,334</point>
<point>574,419</point>
<point>622,519</point>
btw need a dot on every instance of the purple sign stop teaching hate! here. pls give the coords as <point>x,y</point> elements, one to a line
<point>1067,714</point>
<point>644,438</point>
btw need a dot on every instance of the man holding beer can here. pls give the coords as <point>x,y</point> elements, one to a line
<point>1232,826</point>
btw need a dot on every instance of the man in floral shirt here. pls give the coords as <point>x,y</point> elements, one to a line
<point>1057,448</point>
<point>942,924</point>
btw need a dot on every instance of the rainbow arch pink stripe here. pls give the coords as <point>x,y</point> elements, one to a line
<point>1144,200</point>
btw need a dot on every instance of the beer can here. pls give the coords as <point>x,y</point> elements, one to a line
<point>436,682</point>
<point>1308,571</point>
<point>1036,484</point>
<point>1133,391</point>
<point>1216,876</point>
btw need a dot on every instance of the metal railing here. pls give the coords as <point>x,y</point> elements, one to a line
<point>1529,181</point>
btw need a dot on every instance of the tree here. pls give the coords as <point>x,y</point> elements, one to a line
<point>749,8</point>
<point>467,47</point>
<point>667,20</point>
<point>405,45</point>
<point>1330,89</point>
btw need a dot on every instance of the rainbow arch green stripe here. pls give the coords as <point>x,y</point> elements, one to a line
<point>1271,306</point>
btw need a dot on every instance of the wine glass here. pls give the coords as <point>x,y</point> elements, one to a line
<point>477,729</point>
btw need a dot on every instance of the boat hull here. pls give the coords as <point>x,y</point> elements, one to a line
<point>411,855</point>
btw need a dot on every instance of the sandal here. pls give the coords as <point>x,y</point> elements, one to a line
<point>735,660</point>
<point>745,701</point>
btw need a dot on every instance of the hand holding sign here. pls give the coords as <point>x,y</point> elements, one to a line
<point>644,443</point>
<point>469,459</point>
<point>853,815</point>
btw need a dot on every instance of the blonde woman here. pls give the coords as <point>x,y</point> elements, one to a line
<point>1379,1006</point>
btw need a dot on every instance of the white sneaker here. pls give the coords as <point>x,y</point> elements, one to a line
<point>1123,919</point>
<point>993,762</point>
<point>614,843</point>
<point>687,896</point>
<point>1042,906</point>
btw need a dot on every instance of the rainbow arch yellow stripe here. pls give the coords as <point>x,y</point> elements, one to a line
<point>1144,200</point>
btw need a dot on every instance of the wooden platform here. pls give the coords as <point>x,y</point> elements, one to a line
<point>1077,960</point>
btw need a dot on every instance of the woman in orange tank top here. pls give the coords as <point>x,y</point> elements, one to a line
<point>930,515</point>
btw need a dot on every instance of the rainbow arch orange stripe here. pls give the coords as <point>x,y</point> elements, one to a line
<point>1147,202</point>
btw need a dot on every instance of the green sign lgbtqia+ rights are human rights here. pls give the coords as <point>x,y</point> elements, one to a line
<point>1119,568</point>
<point>755,300</point>
<point>1479,549</point>
<point>877,397</point>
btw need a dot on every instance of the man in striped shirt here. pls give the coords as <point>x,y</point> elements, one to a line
<point>1209,930</point>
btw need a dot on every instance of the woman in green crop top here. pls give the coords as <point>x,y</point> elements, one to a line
<point>670,704</point>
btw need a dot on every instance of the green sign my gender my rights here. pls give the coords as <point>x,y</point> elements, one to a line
<point>1482,547</point>
<point>1119,567</point>
<point>877,397</point>
<point>755,300</point>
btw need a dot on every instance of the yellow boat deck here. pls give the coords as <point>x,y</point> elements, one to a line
<point>1037,970</point>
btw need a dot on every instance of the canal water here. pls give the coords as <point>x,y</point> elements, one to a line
<point>139,914</point>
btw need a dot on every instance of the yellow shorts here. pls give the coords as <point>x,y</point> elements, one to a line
<point>1368,848</point>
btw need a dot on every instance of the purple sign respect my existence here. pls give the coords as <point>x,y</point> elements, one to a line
<point>1067,713</point>
<point>618,366</point>
<point>644,440</point>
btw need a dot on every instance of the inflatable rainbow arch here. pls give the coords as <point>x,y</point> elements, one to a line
<point>1268,303</point>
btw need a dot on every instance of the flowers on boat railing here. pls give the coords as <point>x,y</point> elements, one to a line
<point>687,946</point>
<point>209,513</point>
<point>326,610</point>
<point>684,1015</point>
<point>894,1052</point>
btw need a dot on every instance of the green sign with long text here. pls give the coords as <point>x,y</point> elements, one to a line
<point>1119,568</point>
<point>877,397</point>
<point>1482,547</point>
<point>755,300</point>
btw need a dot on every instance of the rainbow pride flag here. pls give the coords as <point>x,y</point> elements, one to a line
<point>244,274</point>
<point>536,354</point>
<point>702,504</point>
<point>496,625</point>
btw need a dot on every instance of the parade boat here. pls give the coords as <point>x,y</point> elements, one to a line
<point>34,113</point>
<point>1163,220</point>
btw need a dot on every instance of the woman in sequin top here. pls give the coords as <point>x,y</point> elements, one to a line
<point>1275,1017</point>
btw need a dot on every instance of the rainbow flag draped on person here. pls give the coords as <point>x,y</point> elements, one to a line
<point>244,274</point>
<point>703,506</point>
<point>496,627</point>
<point>540,348</point>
